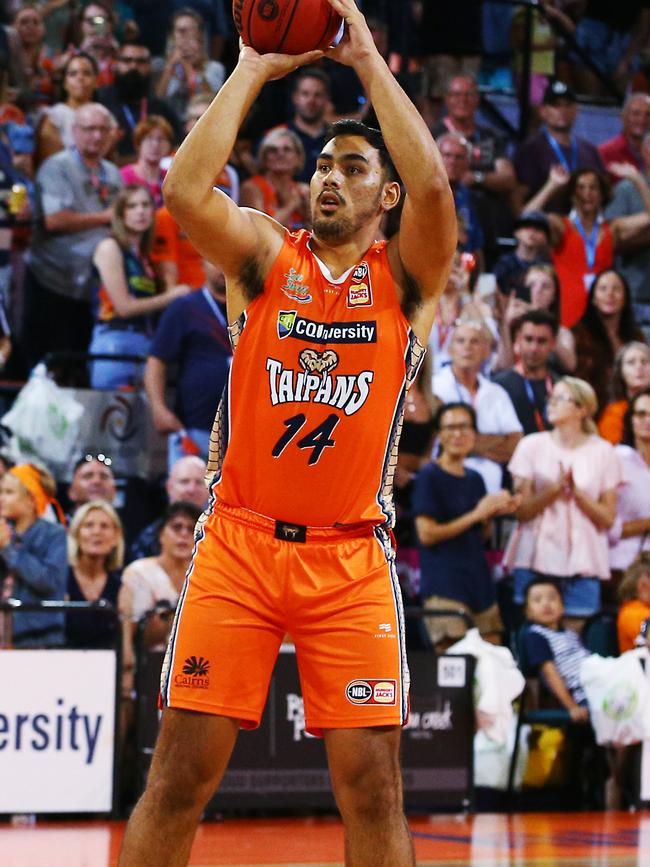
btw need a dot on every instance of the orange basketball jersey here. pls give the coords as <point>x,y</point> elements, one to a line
<point>308,427</point>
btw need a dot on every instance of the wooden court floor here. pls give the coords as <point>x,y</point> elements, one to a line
<point>485,840</point>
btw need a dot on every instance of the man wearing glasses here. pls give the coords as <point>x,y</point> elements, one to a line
<point>130,99</point>
<point>75,188</point>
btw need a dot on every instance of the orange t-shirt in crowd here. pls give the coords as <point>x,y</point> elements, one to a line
<point>171,244</point>
<point>610,426</point>
<point>312,411</point>
<point>630,617</point>
<point>570,261</point>
<point>270,203</point>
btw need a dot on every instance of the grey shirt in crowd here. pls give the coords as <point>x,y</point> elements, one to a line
<point>635,266</point>
<point>62,261</point>
<point>38,561</point>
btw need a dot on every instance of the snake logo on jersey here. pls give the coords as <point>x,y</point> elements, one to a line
<point>314,384</point>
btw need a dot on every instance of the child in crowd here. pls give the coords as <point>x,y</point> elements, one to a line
<point>552,651</point>
<point>532,231</point>
<point>634,595</point>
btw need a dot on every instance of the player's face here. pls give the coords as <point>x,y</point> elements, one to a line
<point>347,189</point>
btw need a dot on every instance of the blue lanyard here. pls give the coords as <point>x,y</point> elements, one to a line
<point>590,241</point>
<point>212,304</point>
<point>570,165</point>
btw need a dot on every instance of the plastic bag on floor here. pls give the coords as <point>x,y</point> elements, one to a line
<point>492,760</point>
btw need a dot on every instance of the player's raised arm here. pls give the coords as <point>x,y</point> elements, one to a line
<point>427,237</point>
<point>221,231</point>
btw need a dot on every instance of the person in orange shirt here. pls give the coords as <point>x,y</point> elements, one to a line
<point>631,376</point>
<point>329,329</point>
<point>634,595</point>
<point>175,258</point>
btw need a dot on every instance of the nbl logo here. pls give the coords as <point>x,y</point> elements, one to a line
<point>375,692</point>
<point>267,10</point>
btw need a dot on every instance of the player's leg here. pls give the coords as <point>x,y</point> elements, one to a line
<point>191,756</point>
<point>367,783</point>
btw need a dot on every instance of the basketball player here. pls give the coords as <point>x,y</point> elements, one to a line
<point>329,329</point>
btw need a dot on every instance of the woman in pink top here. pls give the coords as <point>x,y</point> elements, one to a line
<point>568,478</point>
<point>630,533</point>
<point>153,138</point>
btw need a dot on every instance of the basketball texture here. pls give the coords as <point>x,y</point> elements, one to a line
<point>286,26</point>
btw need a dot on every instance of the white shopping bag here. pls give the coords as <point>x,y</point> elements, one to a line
<point>498,682</point>
<point>44,421</point>
<point>618,696</point>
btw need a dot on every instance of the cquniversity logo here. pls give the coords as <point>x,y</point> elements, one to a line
<point>286,321</point>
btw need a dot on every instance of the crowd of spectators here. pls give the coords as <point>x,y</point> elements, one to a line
<point>526,437</point>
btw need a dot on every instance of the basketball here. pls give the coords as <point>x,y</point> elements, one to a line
<point>286,26</point>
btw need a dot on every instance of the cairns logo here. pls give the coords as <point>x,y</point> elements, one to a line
<point>381,692</point>
<point>295,289</point>
<point>195,673</point>
<point>292,325</point>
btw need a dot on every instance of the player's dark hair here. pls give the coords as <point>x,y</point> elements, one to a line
<point>372,136</point>
<point>535,317</point>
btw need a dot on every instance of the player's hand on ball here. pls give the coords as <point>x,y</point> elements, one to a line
<point>275,65</point>
<point>357,43</point>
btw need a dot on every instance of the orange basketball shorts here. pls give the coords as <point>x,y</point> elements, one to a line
<point>335,591</point>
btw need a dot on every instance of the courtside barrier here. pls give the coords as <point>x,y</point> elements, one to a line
<point>279,767</point>
<point>58,721</point>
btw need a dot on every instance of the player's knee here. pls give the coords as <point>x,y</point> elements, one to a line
<point>181,785</point>
<point>370,791</point>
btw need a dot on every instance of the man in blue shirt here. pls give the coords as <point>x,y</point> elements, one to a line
<point>192,334</point>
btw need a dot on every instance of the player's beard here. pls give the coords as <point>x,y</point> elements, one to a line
<point>334,228</point>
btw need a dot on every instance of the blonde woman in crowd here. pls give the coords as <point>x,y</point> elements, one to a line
<point>568,479</point>
<point>275,191</point>
<point>95,557</point>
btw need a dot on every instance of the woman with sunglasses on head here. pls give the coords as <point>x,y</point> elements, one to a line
<point>127,294</point>
<point>275,191</point>
<point>95,557</point>
<point>568,479</point>
<point>630,534</point>
<point>631,376</point>
<point>33,553</point>
<point>607,325</point>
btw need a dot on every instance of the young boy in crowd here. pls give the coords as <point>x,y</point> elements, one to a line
<point>552,651</point>
<point>532,231</point>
